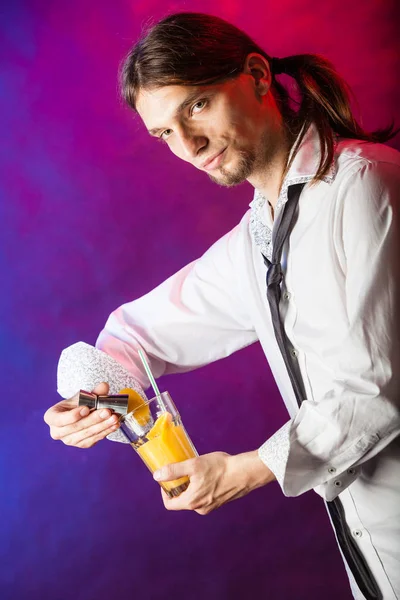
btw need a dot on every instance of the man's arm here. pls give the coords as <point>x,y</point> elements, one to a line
<point>215,479</point>
<point>195,317</point>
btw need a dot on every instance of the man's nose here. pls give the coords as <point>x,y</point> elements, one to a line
<point>192,144</point>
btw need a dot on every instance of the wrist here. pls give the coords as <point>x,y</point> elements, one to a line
<point>251,470</point>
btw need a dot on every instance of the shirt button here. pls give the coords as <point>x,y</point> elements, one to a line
<point>286,296</point>
<point>338,483</point>
<point>351,471</point>
<point>332,470</point>
<point>294,353</point>
<point>357,533</point>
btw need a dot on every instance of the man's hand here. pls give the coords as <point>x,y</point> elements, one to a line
<point>76,426</point>
<point>215,479</point>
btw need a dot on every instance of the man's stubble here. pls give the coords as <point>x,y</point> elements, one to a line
<point>250,160</point>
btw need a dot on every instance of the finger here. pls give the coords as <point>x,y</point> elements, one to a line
<point>175,470</point>
<point>166,499</point>
<point>186,501</point>
<point>182,502</point>
<point>101,389</point>
<point>67,411</point>
<point>76,421</point>
<point>91,441</point>
<point>93,418</point>
<point>84,423</point>
<point>63,414</point>
<point>77,437</point>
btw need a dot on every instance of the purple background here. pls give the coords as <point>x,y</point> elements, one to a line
<point>93,214</point>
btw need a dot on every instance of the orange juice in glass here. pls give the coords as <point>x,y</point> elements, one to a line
<point>155,430</point>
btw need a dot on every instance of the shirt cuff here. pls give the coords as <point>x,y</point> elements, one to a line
<point>275,452</point>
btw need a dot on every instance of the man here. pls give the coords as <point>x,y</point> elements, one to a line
<point>324,222</point>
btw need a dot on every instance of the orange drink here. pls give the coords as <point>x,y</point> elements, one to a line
<point>155,430</point>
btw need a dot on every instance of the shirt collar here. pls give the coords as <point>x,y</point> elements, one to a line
<point>303,168</point>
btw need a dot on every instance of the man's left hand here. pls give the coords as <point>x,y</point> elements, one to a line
<point>215,479</point>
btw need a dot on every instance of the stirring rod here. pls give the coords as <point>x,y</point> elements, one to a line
<point>151,378</point>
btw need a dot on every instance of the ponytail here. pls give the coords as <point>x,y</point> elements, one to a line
<point>325,101</point>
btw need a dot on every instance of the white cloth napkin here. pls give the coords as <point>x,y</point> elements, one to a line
<point>82,367</point>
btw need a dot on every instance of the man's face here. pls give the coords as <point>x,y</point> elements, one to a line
<point>222,129</point>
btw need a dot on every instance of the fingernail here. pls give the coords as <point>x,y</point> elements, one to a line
<point>84,411</point>
<point>112,419</point>
<point>104,414</point>
<point>158,475</point>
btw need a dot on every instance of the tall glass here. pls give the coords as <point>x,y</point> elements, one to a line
<point>155,430</point>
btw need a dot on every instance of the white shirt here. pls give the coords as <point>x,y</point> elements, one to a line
<point>341,309</point>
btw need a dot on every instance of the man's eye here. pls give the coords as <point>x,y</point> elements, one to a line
<point>165,134</point>
<point>198,106</point>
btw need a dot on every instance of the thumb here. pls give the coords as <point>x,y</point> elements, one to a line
<point>101,389</point>
<point>174,471</point>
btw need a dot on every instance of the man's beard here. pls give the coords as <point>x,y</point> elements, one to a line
<point>247,160</point>
<point>250,160</point>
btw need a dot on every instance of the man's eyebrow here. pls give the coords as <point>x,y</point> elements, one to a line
<point>186,102</point>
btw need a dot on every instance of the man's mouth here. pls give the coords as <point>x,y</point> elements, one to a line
<point>214,161</point>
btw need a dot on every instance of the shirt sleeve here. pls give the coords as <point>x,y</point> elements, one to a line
<point>193,318</point>
<point>335,434</point>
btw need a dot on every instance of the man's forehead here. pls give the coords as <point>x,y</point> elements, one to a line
<point>162,102</point>
<point>164,93</point>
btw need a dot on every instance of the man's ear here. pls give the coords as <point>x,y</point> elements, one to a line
<point>258,67</point>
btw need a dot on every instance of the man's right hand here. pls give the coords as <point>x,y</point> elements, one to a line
<point>76,425</point>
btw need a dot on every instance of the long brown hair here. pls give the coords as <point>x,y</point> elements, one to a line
<point>198,49</point>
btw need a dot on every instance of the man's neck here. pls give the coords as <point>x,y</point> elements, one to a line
<point>268,178</point>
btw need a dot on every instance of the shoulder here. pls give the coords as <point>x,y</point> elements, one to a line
<point>367,173</point>
<point>354,157</point>
<point>367,192</point>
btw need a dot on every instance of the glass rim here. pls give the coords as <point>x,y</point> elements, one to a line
<point>146,403</point>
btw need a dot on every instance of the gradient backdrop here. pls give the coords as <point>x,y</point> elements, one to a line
<point>93,214</point>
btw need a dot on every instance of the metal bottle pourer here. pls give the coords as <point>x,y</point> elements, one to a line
<point>118,402</point>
